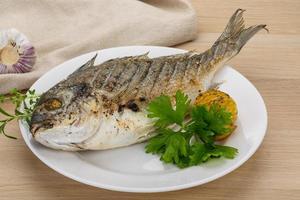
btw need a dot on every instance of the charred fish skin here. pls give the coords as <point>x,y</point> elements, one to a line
<point>104,106</point>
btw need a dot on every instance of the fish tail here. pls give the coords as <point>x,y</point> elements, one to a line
<point>229,44</point>
<point>234,37</point>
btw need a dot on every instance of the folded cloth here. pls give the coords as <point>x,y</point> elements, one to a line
<point>61,29</point>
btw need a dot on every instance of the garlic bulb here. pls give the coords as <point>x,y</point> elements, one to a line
<point>17,55</point>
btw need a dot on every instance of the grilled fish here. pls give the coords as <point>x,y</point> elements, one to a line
<point>104,106</point>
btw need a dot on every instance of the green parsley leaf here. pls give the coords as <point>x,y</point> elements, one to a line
<point>210,122</point>
<point>218,120</point>
<point>176,147</point>
<point>203,152</point>
<point>161,108</point>
<point>226,151</point>
<point>172,145</point>
<point>182,105</point>
<point>157,144</point>
<point>198,152</point>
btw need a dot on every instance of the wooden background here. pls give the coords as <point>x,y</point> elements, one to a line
<point>270,61</point>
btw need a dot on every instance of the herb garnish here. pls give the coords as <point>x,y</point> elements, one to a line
<point>185,133</point>
<point>17,98</point>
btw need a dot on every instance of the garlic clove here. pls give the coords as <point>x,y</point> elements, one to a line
<point>9,55</point>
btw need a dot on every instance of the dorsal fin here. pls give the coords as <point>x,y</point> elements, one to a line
<point>145,55</point>
<point>88,64</point>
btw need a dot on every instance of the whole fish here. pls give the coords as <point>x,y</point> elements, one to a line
<point>104,106</point>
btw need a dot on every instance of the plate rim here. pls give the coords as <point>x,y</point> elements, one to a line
<point>145,189</point>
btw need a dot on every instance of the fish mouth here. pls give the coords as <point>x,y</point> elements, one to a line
<point>39,122</point>
<point>35,128</point>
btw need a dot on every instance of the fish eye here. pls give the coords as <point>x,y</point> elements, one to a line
<point>52,104</point>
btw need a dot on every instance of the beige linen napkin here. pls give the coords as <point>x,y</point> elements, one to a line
<point>63,29</point>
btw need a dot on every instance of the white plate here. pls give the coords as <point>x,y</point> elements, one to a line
<point>130,169</point>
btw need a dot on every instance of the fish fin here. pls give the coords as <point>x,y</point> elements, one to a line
<point>234,36</point>
<point>88,64</point>
<point>234,26</point>
<point>216,85</point>
<point>145,55</point>
<point>229,44</point>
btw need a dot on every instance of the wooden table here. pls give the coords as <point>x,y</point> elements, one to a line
<point>270,61</point>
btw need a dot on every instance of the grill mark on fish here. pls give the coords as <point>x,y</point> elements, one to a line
<point>174,72</point>
<point>176,80</point>
<point>132,89</point>
<point>102,75</point>
<point>146,71</point>
<point>105,69</point>
<point>202,58</point>
<point>148,83</point>
<point>96,74</point>
<point>172,79</point>
<point>157,74</point>
<point>141,87</point>
<point>188,73</point>
<point>185,65</point>
<point>189,62</point>
<point>129,74</point>
<point>191,75</point>
<point>200,66</point>
<point>107,82</point>
<point>208,63</point>
<point>126,78</point>
<point>164,77</point>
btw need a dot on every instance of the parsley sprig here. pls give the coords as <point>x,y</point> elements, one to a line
<point>17,98</point>
<point>185,133</point>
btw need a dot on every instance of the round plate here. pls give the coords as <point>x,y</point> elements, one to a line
<point>130,169</point>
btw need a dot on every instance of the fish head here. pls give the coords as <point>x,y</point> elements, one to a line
<point>65,116</point>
